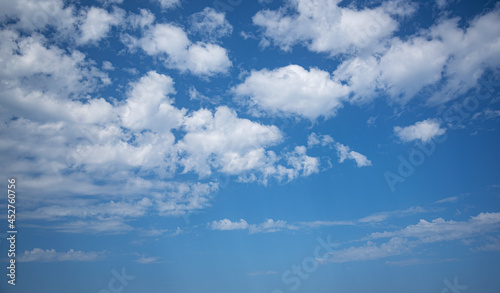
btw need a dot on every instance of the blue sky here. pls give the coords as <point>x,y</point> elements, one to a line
<point>252,146</point>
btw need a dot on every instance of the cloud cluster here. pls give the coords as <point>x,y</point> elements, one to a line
<point>439,63</point>
<point>403,240</point>
<point>325,26</point>
<point>171,44</point>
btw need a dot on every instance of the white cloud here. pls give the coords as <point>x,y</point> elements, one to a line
<point>148,105</point>
<point>34,15</point>
<point>106,65</point>
<point>440,230</point>
<point>445,58</point>
<point>147,260</point>
<point>92,210</point>
<point>270,226</point>
<point>183,197</point>
<point>210,24</point>
<point>370,251</point>
<point>168,4</point>
<point>423,130</point>
<point>383,216</point>
<point>115,225</point>
<point>31,67</point>
<point>170,43</point>
<point>225,142</point>
<point>324,26</point>
<point>344,152</point>
<point>97,23</point>
<point>442,3</point>
<point>51,255</point>
<point>314,139</point>
<point>303,163</point>
<point>228,225</point>
<point>448,199</point>
<point>292,90</point>
<point>142,20</point>
<point>319,224</point>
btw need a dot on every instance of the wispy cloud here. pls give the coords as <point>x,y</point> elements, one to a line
<point>51,255</point>
<point>404,240</point>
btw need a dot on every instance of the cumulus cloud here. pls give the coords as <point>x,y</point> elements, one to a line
<point>270,226</point>
<point>344,152</point>
<point>324,26</point>
<point>210,24</point>
<point>37,15</point>
<point>171,44</point>
<point>168,4</point>
<point>144,19</point>
<point>314,139</point>
<point>51,255</point>
<point>446,59</point>
<point>97,22</point>
<point>423,130</point>
<point>149,97</point>
<point>292,90</point>
<point>226,224</point>
<point>236,144</point>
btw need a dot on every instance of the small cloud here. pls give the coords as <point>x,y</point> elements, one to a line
<point>423,130</point>
<point>51,255</point>
<point>448,199</point>
<point>344,152</point>
<point>147,260</point>
<point>371,121</point>
<point>106,65</point>
<point>226,224</point>
<point>168,4</point>
<point>324,140</point>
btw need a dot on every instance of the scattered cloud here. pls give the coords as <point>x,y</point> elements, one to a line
<point>168,4</point>
<point>267,226</point>
<point>97,23</point>
<point>147,260</point>
<point>344,152</point>
<point>225,225</point>
<point>171,44</point>
<point>403,241</point>
<point>51,255</point>
<point>448,199</point>
<point>314,139</point>
<point>325,27</point>
<point>292,90</point>
<point>440,230</point>
<point>210,24</point>
<point>424,131</point>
